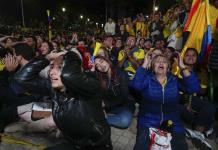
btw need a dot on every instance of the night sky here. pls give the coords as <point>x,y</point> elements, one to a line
<point>95,9</point>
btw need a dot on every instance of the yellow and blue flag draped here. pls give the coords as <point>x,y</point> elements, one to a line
<point>198,24</point>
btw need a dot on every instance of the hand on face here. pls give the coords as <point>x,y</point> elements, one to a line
<point>181,63</point>
<point>147,61</point>
<point>126,51</point>
<point>11,62</point>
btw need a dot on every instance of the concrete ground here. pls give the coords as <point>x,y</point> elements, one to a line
<point>121,139</point>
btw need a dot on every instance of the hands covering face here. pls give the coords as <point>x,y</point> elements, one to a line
<point>179,61</point>
<point>147,61</point>
<point>11,62</point>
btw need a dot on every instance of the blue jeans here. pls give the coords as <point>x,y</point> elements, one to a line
<point>120,117</point>
<point>143,140</point>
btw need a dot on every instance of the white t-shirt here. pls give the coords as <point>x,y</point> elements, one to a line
<point>109,28</point>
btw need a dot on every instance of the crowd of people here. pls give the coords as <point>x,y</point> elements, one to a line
<point>94,81</point>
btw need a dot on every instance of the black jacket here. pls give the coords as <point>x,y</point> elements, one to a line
<point>116,93</point>
<point>77,112</point>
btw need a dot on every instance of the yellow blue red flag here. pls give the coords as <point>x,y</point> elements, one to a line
<point>198,24</point>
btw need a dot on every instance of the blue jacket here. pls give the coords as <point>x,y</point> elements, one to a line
<point>161,103</point>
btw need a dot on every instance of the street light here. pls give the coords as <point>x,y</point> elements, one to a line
<point>88,19</point>
<point>102,25</point>
<point>81,16</point>
<point>96,24</point>
<point>156,8</point>
<point>63,9</point>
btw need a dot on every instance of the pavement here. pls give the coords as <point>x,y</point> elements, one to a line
<point>121,140</point>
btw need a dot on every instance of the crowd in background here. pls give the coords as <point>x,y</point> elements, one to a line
<point>133,60</point>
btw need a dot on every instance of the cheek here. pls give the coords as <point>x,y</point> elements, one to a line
<point>46,49</point>
<point>186,59</point>
<point>155,66</point>
<point>195,59</point>
<point>42,48</point>
<point>166,66</point>
<point>59,81</point>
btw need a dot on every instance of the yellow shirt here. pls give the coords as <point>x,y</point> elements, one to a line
<point>2,65</point>
<point>130,30</point>
<point>139,54</point>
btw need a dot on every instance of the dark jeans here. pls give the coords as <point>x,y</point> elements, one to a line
<point>203,114</point>
<point>120,117</point>
<point>68,146</point>
<point>143,140</point>
<point>8,97</point>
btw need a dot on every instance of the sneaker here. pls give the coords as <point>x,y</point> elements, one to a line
<point>198,139</point>
<point>209,132</point>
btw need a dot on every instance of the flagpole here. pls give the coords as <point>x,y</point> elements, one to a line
<point>106,10</point>
<point>22,11</point>
<point>49,25</point>
<point>154,3</point>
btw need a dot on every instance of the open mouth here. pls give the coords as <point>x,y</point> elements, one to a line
<point>160,67</point>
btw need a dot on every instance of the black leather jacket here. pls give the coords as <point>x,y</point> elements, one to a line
<point>77,111</point>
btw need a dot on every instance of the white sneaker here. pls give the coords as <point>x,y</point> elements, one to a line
<point>198,139</point>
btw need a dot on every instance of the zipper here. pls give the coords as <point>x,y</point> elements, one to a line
<point>163,98</point>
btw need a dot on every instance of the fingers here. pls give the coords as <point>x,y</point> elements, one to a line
<point>54,55</point>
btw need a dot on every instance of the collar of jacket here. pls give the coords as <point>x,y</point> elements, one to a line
<point>169,77</point>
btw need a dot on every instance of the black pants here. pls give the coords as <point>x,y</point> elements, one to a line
<point>9,102</point>
<point>203,115</point>
<point>68,146</point>
<point>7,97</point>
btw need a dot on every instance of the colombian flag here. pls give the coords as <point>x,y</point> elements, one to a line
<point>198,24</point>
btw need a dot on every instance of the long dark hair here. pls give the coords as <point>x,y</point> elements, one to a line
<point>103,77</point>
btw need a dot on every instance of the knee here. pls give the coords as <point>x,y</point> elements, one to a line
<point>125,120</point>
<point>49,123</point>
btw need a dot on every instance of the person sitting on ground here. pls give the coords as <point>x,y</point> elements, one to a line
<point>197,111</point>
<point>160,91</point>
<point>76,104</point>
<point>115,93</point>
<point>14,94</point>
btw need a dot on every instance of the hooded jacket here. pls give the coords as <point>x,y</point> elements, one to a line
<point>77,111</point>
